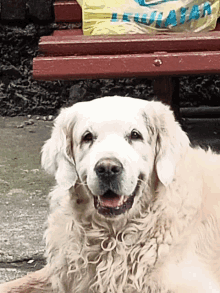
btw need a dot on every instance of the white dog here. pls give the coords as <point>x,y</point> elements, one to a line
<point>135,209</point>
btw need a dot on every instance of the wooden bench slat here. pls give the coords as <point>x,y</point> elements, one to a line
<point>67,33</point>
<point>73,32</point>
<point>89,45</point>
<point>135,65</point>
<point>67,11</point>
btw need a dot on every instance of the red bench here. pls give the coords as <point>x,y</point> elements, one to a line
<point>68,55</point>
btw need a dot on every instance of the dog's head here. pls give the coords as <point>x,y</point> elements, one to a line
<point>115,147</point>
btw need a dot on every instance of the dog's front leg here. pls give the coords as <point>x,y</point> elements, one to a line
<point>37,282</point>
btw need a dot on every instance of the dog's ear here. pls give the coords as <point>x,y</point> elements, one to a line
<point>57,152</point>
<point>171,142</point>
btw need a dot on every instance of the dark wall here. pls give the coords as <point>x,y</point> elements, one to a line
<point>24,10</point>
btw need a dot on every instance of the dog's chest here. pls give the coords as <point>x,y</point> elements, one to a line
<point>125,261</point>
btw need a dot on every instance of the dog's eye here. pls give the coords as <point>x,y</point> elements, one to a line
<point>135,135</point>
<point>87,137</point>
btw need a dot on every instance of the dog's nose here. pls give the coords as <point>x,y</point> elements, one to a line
<point>108,168</point>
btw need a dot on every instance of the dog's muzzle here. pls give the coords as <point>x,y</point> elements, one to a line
<point>110,203</point>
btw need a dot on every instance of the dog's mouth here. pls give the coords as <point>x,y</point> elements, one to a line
<point>112,204</point>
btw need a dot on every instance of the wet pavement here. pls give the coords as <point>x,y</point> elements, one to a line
<point>24,188</point>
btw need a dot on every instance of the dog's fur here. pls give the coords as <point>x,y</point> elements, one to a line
<point>168,241</point>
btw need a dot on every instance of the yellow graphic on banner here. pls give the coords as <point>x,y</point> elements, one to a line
<point>148,17</point>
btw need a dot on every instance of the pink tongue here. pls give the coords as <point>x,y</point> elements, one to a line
<point>110,202</point>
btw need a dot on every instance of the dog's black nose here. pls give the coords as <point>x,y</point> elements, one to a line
<point>108,168</point>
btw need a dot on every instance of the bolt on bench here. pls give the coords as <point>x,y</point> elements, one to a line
<point>68,55</point>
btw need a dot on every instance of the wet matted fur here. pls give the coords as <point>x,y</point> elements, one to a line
<point>136,208</point>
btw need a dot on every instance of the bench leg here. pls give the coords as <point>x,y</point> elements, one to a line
<point>166,88</point>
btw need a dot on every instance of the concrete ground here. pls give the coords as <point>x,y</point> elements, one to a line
<point>24,187</point>
<point>23,191</point>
